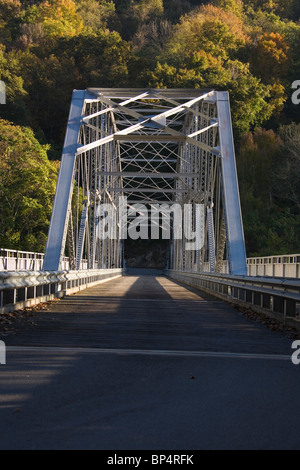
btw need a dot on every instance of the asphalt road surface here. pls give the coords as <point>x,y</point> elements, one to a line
<point>144,363</point>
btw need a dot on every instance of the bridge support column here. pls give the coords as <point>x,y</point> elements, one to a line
<point>62,202</point>
<point>233,215</point>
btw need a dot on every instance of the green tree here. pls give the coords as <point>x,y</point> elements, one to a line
<point>10,11</point>
<point>287,173</point>
<point>283,8</point>
<point>50,75</point>
<point>208,28</point>
<point>252,102</point>
<point>100,60</point>
<point>49,82</point>
<point>27,185</point>
<point>256,158</point>
<point>233,6</point>
<point>174,9</point>
<point>150,38</point>
<point>146,10</point>
<point>10,73</point>
<point>132,14</point>
<point>95,14</point>
<point>58,18</point>
<point>268,170</point>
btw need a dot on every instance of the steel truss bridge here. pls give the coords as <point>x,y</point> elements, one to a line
<point>111,364</point>
<point>131,152</point>
<point>147,148</point>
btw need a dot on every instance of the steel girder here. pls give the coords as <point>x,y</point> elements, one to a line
<point>168,146</point>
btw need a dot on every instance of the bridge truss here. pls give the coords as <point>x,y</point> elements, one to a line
<point>128,151</point>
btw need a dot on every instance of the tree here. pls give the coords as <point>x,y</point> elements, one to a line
<point>147,10</point>
<point>49,82</point>
<point>283,8</point>
<point>233,6</point>
<point>27,185</point>
<point>208,28</point>
<point>101,60</point>
<point>270,57</point>
<point>256,158</point>
<point>58,18</point>
<point>204,71</point>
<point>287,171</point>
<point>150,38</point>
<point>9,13</point>
<point>252,102</point>
<point>269,179</point>
<point>51,73</point>
<point>95,14</point>
<point>10,73</point>
<point>174,9</point>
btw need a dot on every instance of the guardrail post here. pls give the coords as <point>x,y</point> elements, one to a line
<point>289,307</point>
<point>278,304</point>
<point>9,296</point>
<point>266,301</point>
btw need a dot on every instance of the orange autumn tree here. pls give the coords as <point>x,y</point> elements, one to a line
<point>270,57</point>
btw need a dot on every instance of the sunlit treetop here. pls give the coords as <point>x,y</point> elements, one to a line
<point>58,17</point>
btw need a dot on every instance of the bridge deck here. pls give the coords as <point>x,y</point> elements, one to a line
<point>141,362</point>
<point>148,312</point>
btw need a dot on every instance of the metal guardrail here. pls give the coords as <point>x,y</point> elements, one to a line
<point>19,290</point>
<point>279,298</point>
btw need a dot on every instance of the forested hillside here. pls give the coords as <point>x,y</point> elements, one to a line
<point>250,47</point>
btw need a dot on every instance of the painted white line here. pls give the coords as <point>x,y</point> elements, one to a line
<point>128,299</point>
<point>148,352</point>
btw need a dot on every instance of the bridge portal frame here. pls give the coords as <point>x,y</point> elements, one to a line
<point>199,132</point>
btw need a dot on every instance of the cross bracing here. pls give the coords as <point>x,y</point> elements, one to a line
<point>166,147</point>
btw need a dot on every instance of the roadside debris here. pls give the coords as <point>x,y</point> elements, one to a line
<point>8,321</point>
<point>269,322</point>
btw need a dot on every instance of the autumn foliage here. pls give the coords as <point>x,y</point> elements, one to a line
<point>248,47</point>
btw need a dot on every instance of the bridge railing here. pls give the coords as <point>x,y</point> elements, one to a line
<point>17,260</point>
<point>22,289</point>
<point>279,298</point>
<point>273,266</point>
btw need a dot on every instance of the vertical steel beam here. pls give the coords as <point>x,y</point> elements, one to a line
<point>211,240</point>
<point>62,201</point>
<point>233,215</point>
